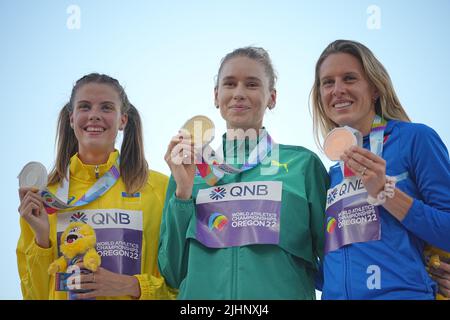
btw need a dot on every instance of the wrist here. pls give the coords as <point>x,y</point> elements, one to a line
<point>43,242</point>
<point>388,191</point>
<point>134,289</point>
<point>399,205</point>
<point>183,194</point>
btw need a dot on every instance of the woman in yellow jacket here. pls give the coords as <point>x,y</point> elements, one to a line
<point>126,218</point>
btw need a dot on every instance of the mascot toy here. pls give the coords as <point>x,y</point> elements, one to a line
<point>77,244</point>
<point>433,258</point>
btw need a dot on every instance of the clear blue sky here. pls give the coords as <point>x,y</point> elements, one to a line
<point>166,54</point>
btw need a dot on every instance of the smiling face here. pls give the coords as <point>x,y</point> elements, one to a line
<point>97,117</point>
<point>346,95</point>
<point>73,235</point>
<point>243,93</point>
<point>77,239</point>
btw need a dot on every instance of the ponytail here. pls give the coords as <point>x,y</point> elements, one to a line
<point>133,166</point>
<point>66,146</point>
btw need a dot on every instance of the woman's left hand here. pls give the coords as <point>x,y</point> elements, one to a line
<point>442,276</point>
<point>367,165</point>
<point>105,283</point>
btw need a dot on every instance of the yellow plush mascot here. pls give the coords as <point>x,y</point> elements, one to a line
<point>77,243</point>
<point>433,257</point>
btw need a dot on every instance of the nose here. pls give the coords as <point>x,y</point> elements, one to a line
<point>94,115</point>
<point>239,92</point>
<point>338,88</point>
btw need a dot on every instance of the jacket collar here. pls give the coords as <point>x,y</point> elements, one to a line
<point>238,149</point>
<point>87,172</point>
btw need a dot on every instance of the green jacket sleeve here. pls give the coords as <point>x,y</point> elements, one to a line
<point>173,244</point>
<point>33,262</point>
<point>317,182</point>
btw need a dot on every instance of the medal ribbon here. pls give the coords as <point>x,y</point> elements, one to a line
<point>376,141</point>
<point>101,186</point>
<point>215,170</point>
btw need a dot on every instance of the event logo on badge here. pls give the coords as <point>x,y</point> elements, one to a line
<point>217,221</point>
<point>218,193</point>
<point>78,217</point>
<point>331,224</point>
<point>332,195</point>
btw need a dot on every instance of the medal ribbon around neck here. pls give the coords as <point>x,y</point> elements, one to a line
<point>60,201</point>
<point>377,135</point>
<point>213,171</point>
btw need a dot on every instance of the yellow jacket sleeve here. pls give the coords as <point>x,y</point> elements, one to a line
<point>33,262</point>
<point>152,284</point>
<point>155,288</point>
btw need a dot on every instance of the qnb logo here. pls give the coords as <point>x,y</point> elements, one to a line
<point>111,218</point>
<point>217,221</point>
<point>79,217</point>
<point>332,196</point>
<point>374,280</point>
<point>218,193</point>
<point>331,224</point>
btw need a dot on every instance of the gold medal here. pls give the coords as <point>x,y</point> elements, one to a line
<point>201,129</point>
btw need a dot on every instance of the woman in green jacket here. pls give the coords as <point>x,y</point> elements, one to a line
<point>251,225</point>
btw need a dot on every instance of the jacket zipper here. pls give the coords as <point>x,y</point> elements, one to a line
<point>234,273</point>
<point>97,171</point>
<point>235,257</point>
<point>346,275</point>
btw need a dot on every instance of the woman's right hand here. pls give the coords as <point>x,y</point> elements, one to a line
<point>180,158</point>
<point>32,210</point>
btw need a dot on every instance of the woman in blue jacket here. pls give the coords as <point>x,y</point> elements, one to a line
<point>389,198</point>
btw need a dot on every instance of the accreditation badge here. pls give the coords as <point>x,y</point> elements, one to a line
<point>349,218</point>
<point>239,214</point>
<point>119,236</point>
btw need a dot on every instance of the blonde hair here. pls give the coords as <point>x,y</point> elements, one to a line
<point>387,104</point>
<point>255,53</point>
<point>133,166</point>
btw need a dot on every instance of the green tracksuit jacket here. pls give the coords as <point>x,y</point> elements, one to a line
<point>261,271</point>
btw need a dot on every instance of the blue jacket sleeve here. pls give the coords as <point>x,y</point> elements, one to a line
<point>429,217</point>
<point>173,244</point>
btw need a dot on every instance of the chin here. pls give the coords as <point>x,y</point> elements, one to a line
<point>96,146</point>
<point>343,121</point>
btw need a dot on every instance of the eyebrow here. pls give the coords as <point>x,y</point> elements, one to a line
<point>354,73</point>
<point>248,78</point>
<point>103,102</point>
